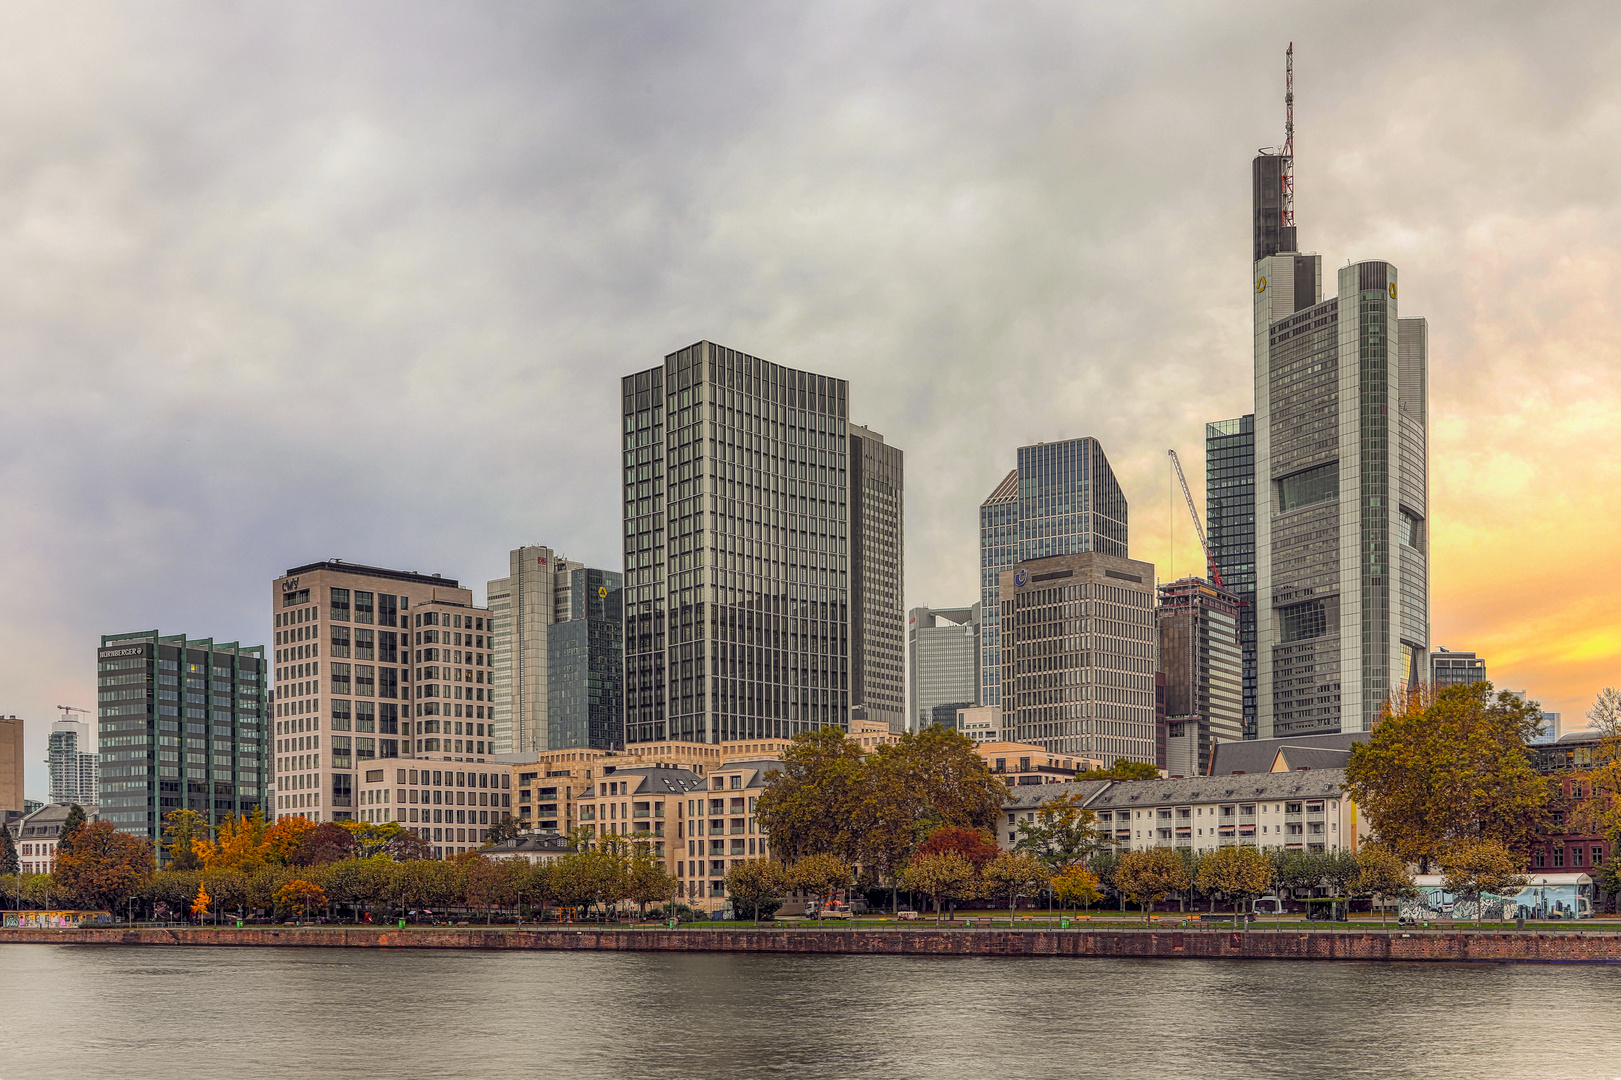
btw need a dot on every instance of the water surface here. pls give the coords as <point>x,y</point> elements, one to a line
<point>87,1012</point>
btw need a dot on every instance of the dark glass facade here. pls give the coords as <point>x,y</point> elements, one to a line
<point>585,666</point>
<point>1230,518</point>
<point>181,725</point>
<point>738,562</point>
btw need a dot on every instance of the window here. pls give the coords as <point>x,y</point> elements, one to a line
<point>365,716</point>
<point>365,680</point>
<point>340,604</point>
<point>365,641</point>
<point>1559,856</point>
<point>340,752</point>
<point>365,749</point>
<point>388,718</point>
<point>340,678</point>
<point>340,641</point>
<point>1410,529</point>
<point>1576,856</point>
<point>1539,859</point>
<point>374,776</point>
<point>1598,855</point>
<point>387,647</point>
<point>1308,488</point>
<point>1303,621</point>
<point>388,610</point>
<point>340,714</point>
<point>363,607</point>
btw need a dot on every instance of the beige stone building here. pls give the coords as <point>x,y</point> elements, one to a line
<point>1019,764</point>
<point>372,668</point>
<point>11,764</point>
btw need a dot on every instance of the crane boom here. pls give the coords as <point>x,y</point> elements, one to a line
<point>1215,573</point>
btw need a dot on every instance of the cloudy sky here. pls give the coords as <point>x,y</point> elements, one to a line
<point>295,281</point>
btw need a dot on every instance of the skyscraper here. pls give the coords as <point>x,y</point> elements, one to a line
<point>942,646</point>
<point>1078,656</point>
<point>585,664</point>
<point>1200,657</point>
<point>1062,499</point>
<point>181,726</point>
<point>1341,518</point>
<point>1230,517</point>
<point>72,765</point>
<point>11,765</point>
<point>877,530</point>
<point>1448,668</point>
<point>743,544</point>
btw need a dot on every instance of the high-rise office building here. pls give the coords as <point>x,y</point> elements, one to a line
<point>1200,657</point>
<point>1448,668</point>
<point>72,764</point>
<point>1230,518</point>
<point>365,660</point>
<point>585,665</point>
<point>742,528</point>
<point>181,725</point>
<point>942,646</point>
<point>1062,499</point>
<point>877,533</point>
<point>1078,656</point>
<point>1341,521</point>
<point>11,765</point>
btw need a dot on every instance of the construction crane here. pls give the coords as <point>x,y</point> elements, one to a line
<point>1215,574</point>
<point>1288,178</point>
<point>69,710</point>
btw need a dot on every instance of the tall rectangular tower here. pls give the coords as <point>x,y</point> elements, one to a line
<point>1341,534</point>
<point>73,774</point>
<point>741,572</point>
<point>1200,657</point>
<point>536,594</point>
<point>877,531</point>
<point>585,697</point>
<point>942,647</point>
<point>1062,499</point>
<point>11,764</point>
<point>182,726</point>
<point>1230,517</point>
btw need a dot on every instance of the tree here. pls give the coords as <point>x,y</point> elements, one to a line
<point>103,867</point>
<point>239,844</point>
<point>1014,874</point>
<point>535,887</point>
<point>502,831</point>
<point>183,832</point>
<point>1122,769</point>
<point>646,880</point>
<point>328,842</point>
<point>1239,873</point>
<point>1063,834</point>
<point>810,805</point>
<point>389,839</point>
<point>9,863</point>
<point>1605,713</point>
<point>1476,868</point>
<point>1077,885</point>
<point>819,876</point>
<point>199,906</point>
<point>1148,875</point>
<point>284,841</point>
<point>491,883</point>
<point>300,892</point>
<point>756,885</point>
<point>228,888</point>
<point>1380,873</point>
<point>943,876</point>
<point>70,825</point>
<point>972,844</point>
<point>1455,767</point>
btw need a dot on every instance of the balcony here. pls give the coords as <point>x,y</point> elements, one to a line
<point>736,830</point>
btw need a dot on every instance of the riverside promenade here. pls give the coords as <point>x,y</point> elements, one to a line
<point>1433,946</point>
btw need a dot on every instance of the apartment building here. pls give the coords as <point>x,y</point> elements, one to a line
<point>720,829</point>
<point>35,834</point>
<point>357,667</point>
<point>450,808</point>
<point>1019,764</point>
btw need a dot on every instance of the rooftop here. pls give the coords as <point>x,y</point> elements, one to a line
<point>340,567</point>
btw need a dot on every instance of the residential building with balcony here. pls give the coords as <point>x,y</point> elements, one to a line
<point>35,834</point>
<point>720,829</point>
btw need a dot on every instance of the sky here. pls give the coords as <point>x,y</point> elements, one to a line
<point>298,281</point>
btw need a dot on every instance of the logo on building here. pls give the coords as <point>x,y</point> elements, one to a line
<point>289,584</point>
<point>1260,283</point>
<point>1019,578</point>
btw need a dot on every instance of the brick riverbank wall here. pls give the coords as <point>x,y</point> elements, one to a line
<point>1449,946</point>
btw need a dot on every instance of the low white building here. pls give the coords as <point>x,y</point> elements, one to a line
<point>35,835</point>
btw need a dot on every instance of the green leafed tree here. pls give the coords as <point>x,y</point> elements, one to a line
<point>1063,833</point>
<point>812,804</point>
<point>1015,874</point>
<point>1474,869</point>
<point>1449,767</point>
<point>1150,875</point>
<point>1122,769</point>
<point>1238,873</point>
<point>757,888</point>
<point>819,876</point>
<point>182,831</point>
<point>9,863</point>
<point>70,826</point>
<point>945,877</point>
<point>1381,875</point>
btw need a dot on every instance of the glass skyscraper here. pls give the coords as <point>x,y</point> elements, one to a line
<point>1062,499</point>
<point>182,726</point>
<point>742,519</point>
<point>1230,518</point>
<point>585,665</point>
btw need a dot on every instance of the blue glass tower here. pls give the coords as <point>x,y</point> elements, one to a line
<point>1063,499</point>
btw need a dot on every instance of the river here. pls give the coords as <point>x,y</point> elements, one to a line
<point>91,1012</point>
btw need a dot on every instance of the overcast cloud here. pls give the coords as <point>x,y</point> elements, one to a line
<point>291,281</point>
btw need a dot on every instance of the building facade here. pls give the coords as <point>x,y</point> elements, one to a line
<point>1230,519</point>
<point>585,699</point>
<point>877,577</point>
<point>361,670</point>
<point>11,764</point>
<point>1078,662</point>
<point>449,802</point>
<point>181,725</point>
<point>74,775</point>
<point>1202,660</point>
<point>1341,502</point>
<point>738,515</point>
<point>36,833</point>
<point>942,660</point>
<point>537,593</point>
<point>1448,668</point>
<point>1062,499</point>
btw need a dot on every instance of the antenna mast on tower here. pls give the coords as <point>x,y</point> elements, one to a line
<point>1287,218</point>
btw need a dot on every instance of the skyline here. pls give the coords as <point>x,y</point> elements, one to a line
<point>261,257</point>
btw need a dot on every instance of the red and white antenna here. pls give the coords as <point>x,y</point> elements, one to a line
<point>1287,218</point>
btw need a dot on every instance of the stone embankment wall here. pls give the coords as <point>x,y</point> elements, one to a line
<point>1444,946</point>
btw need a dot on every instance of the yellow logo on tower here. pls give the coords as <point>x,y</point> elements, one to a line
<point>602,592</point>
<point>1393,290</point>
<point>1260,284</point>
